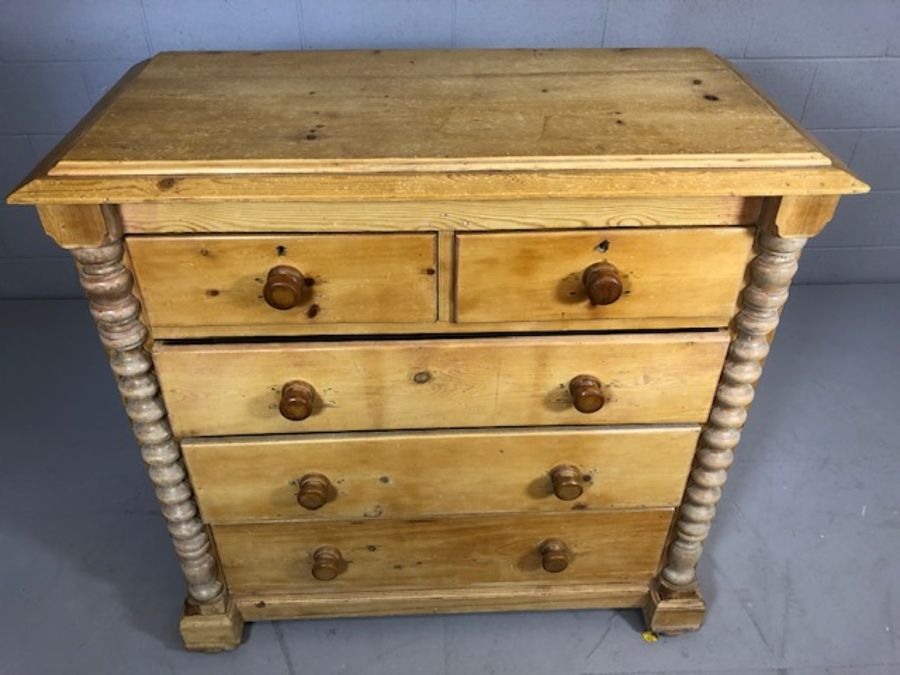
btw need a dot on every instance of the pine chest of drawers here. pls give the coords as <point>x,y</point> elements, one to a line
<point>440,331</point>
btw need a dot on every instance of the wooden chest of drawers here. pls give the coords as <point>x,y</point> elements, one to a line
<point>436,331</point>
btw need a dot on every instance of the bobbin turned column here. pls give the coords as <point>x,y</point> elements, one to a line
<point>210,621</point>
<point>676,604</point>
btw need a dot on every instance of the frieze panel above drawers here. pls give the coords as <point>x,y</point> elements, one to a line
<point>373,215</point>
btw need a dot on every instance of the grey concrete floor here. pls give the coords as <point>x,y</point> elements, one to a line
<point>801,570</point>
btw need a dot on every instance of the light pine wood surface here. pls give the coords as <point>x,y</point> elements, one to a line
<point>800,216</point>
<point>214,281</point>
<point>197,286</point>
<point>691,274</point>
<point>437,125</point>
<point>212,632</point>
<point>445,216</point>
<point>519,596</point>
<point>474,185</point>
<point>413,384</point>
<point>80,225</point>
<point>610,546</point>
<point>437,110</point>
<point>430,473</point>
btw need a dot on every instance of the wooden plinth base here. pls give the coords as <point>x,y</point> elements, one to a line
<point>499,598</point>
<point>220,626</point>
<point>211,629</point>
<point>670,612</point>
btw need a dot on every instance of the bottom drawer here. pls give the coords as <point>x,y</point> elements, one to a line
<point>609,546</point>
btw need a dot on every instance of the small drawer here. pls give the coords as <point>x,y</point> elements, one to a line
<point>262,283</point>
<point>612,546</point>
<point>220,390</point>
<point>633,278</point>
<point>405,475</point>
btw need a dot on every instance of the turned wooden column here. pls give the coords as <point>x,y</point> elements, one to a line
<point>676,604</point>
<point>108,286</point>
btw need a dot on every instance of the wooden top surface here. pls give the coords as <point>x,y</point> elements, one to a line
<point>246,115</point>
<point>441,110</point>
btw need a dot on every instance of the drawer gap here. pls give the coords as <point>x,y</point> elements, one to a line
<point>287,435</point>
<point>462,431</point>
<point>408,337</point>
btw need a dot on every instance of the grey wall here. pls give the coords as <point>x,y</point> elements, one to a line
<point>833,64</point>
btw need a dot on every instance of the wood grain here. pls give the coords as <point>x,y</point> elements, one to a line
<point>407,125</point>
<point>836,161</point>
<point>40,171</point>
<point>537,214</point>
<point>218,281</point>
<point>407,475</point>
<point>475,185</point>
<point>519,596</point>
<point>606,547</point>
<point>79,225</point>
<point>409,110</point>
<point>798,216</point>
<point>686,274</point>
<point>205,632</point>
<point>446,277</point>
<point>412,384</point>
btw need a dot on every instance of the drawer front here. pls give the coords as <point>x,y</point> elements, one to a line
<point>218,390</point>
<point>613,546</point>
<point>407,475</point>
<point>692,276</point>
<point>216,282</point>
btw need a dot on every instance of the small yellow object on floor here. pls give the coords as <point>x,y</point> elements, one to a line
<point>650,636</point>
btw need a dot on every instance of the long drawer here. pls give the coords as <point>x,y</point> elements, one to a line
<point>613,546</point>
<point>685,276</point>
<point>407,475</point>
<point>286,282</point>
<point>216,390</point>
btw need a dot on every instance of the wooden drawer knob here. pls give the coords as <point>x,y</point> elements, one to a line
<point>566,481</point>
<point>284,287</point>
<point>314,490</point>
<point>554,555</point>
<point>327,563</point>
<point>297,399</point>
<point>587,393</point>
<point>602,283</point>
